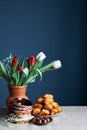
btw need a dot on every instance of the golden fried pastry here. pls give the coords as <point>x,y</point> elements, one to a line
<point>44,112</point>
<point>38,105</point>
<point>55,105</point>
<point>48,96</point>
<point>40,100</point>
<point>59,109</point>
<point>48,107</point>
<point>48,101</point>
<point>36,111</point>
<point>54,111</point>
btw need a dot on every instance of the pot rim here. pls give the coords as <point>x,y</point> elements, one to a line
<point>17,86</point>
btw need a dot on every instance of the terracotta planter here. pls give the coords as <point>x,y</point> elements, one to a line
<point>15,92</point>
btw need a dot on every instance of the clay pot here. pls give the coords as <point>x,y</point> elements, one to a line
<point>15,92</point>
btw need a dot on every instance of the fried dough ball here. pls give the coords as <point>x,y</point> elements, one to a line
<point>48,101</point>
<point>48,107</point>
<point>48,96</point>
<point>37,105</point>
<point>55,104</point>
<point>36,111</point>
<point>59,109</point>
<point>40,100</point>
<point>54,111</point>
<point>44,112</point>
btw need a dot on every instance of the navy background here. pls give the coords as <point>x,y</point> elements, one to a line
<point>56,27</point>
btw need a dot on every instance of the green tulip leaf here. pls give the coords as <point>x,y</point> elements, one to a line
<point>39,73</point>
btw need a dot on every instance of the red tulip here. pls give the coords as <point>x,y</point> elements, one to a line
<point>14,61</point>
<point>31,60</point>
<point>20,68</point>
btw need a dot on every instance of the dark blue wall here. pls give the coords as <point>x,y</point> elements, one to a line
<point>56,27</point>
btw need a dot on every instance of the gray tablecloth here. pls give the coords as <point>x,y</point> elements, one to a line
<point>72,118</point>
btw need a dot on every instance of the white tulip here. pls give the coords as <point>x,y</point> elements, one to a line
<point>57,64</point>
<point>26,71</point>
<point>40,56</point>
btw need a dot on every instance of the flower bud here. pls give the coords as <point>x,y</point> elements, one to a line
<point>14,61</point>
<point>31,60</point>
<point>41,56</point>
<point>56,64</point>
<point>26,71</point>
<point>20,68</point>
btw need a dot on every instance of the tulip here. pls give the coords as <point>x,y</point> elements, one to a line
<point>31,60</point>
<point>26,71</point>
<point>20,68</point>
<point>41,56</point>
<point>57,64</point>
<point>14,61</point>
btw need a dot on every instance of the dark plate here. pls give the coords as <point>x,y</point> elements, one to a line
<point>41,120</point>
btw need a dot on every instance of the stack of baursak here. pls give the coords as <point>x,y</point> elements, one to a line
<point>46,106</point>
